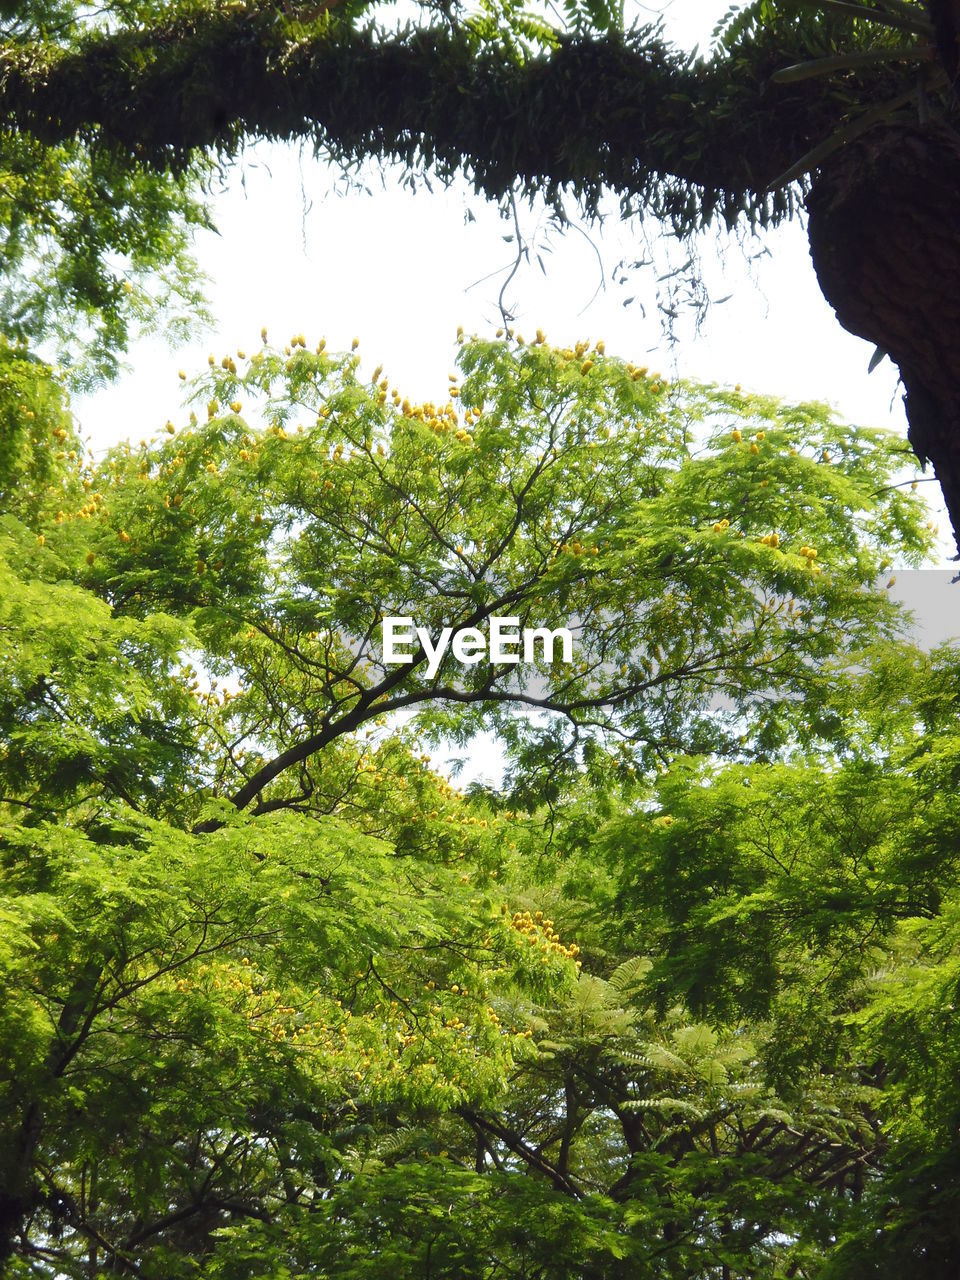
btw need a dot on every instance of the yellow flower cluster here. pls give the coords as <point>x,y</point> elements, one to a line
<point>579,351</point>
<point>577,548</point>
<point>720,525</point>
<point>771,540</point>
<point>539,933</point>
<point>442,419</point>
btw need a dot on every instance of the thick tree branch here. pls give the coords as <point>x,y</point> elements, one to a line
<point>630,112</point>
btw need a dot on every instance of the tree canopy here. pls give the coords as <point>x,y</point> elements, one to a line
<point>674,996</point>
<point>673,1000</point>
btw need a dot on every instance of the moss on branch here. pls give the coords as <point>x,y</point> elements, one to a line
<point>684,140</point>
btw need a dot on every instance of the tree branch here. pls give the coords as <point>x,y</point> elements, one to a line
<point>687,140</point>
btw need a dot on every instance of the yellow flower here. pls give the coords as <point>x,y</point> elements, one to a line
<point>754,449</point>
<point>354,344</point>
<point>170,429</point>
<point>181,375</point>
<point>235,405</point>
<point>41,539</point>
<point>736,435</point>
<point>91,557</point>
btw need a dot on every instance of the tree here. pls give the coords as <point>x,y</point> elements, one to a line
<point>281,1000</point>
<point>92,250</point>
<point>857,96</point>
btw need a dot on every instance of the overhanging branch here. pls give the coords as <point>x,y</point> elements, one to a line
<point>685,140</point>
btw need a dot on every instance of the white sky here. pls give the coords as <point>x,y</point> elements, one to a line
<point>399,270</point>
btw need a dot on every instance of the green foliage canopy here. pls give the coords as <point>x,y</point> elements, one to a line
<point>279,999</point>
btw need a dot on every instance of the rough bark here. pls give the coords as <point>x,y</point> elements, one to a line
<point>884,243</point>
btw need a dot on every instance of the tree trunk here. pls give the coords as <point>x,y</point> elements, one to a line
<point>885,245</point>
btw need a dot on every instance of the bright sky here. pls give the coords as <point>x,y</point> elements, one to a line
<point>400,270</point>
